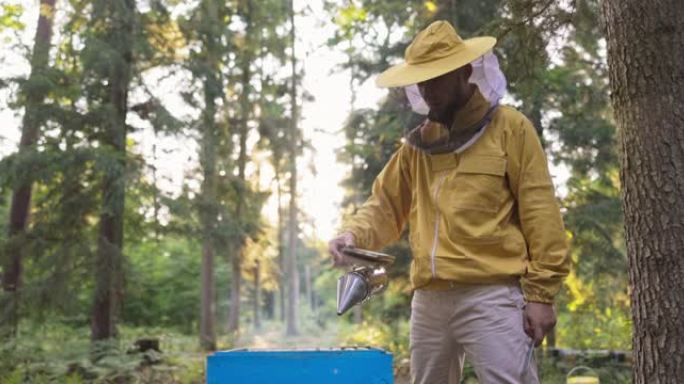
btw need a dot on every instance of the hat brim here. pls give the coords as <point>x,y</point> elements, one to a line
<point>405,74</point>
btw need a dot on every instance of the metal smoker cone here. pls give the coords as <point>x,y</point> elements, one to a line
<point>351,290</point>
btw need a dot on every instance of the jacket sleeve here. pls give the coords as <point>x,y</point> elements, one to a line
<point>381,219</point>
<point>539,214</point>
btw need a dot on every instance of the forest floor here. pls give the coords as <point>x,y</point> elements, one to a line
<point>53,353</point>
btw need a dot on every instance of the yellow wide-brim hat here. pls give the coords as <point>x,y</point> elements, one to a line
<point>436,50</point>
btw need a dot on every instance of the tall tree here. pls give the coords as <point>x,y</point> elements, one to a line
<point>291,262</point>
<point>66,169</point>
<point>35,91</point>
<point>113,24</point>
<point>646,69</point>
<point>274,123</point>
<point>246,58</point>
<point>273,130</point>
<point>208,213</point>
<point>208,29</point>
<point>281,242</point>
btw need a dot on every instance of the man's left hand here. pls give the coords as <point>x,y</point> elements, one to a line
<point>538,320</point>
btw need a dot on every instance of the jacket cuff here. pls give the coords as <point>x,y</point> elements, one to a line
<point>359,238</point>
<point>534,293</point>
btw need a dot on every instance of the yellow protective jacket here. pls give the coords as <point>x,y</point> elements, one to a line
<point>484,215</point>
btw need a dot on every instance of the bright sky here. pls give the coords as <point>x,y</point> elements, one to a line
<point>322,119</point>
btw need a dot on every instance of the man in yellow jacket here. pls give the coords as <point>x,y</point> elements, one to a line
<point>488,243</point>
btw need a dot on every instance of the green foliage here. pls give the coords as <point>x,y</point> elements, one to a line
<point>598,313</point>
<point>56,353</point>
<point>392,336</point>
<point>10,15</point>
<point>162,283</point>
<point>325,286</point>
<point>555,370</point>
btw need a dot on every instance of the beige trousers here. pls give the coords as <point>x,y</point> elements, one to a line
<point>483,323</point>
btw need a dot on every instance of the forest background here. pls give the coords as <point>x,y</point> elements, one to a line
<point>172,170</point>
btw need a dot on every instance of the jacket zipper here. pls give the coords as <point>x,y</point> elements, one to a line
<point>437,218</point>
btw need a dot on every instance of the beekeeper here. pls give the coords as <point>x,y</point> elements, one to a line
<point>472,183</point>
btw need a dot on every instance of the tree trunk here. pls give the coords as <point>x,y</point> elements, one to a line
<point>257,295</point>
<point>357,311</point>
<point>453,12</point>
<point>208,208</point>
<point>269,304</point>
<point>207,306</point>
<point>245,107</point>
<point>270,296</point>
<point>292,274</point>
<point>210,13</point>
<point>156,205</point>
<point>235,287</point>
<point>646,67</point>
<point>109,259</point>
<point>357,316</point>
<point>307,287</point>
<point>281,249</point>
<point>21,195</point>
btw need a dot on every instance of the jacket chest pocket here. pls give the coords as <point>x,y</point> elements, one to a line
<point>479,184</point>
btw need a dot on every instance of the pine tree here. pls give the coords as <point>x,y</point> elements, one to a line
<point>113,26</point>
<point>35,90</point>
<point>241,185</point>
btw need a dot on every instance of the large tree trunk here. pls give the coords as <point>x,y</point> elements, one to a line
<point>21,196</point>
<point>291,263</point>
<point>109,259</point>
<point>646,66</point>
<point>208,209</point>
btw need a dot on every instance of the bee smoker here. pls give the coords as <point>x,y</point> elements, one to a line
<point>367,278</point>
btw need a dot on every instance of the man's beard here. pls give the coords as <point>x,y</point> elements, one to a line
<point>441,115</point>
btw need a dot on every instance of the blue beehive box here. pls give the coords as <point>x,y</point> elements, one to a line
<point>344,366</point>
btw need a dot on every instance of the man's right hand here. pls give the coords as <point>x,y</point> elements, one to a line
<point>335,246</point>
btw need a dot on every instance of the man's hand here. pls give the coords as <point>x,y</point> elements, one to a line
<point>336,245</point>
<point>538,320</point>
